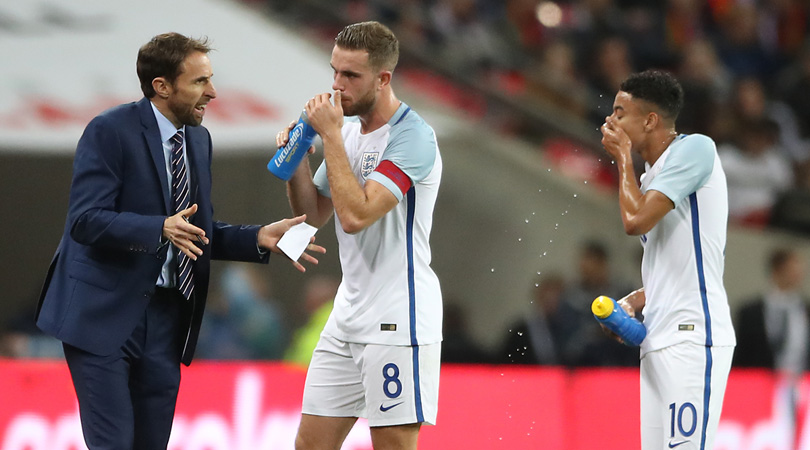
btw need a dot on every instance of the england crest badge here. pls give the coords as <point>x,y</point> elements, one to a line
<point>369,163</point>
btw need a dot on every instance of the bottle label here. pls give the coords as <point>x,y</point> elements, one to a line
<point>288,151</point>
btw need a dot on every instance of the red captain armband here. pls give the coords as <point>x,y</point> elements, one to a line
<point>395,174</point>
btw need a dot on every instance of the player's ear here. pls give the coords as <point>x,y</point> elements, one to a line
<point>652,121</point>
<point>385,78</point>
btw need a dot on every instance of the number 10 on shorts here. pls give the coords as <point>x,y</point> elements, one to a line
<point>686,418</point>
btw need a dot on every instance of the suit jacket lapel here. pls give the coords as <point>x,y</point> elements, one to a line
<point>151,134</point>
<point>193,149</point>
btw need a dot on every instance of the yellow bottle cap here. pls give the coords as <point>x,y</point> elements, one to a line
<point>602,306</point>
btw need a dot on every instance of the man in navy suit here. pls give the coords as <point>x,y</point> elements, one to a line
<point>112,294</point>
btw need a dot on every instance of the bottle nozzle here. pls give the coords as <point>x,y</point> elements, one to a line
<point>602,306</point>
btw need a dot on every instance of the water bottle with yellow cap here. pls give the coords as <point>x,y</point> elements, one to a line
<point>609,313</point>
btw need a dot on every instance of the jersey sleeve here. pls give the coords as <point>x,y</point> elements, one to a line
<point>321,181</point>
<point>686,169</point>
<point>408,157</point>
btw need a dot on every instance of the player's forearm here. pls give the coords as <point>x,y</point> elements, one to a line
<point>630,198</point>
<point>349,198</point>
<point>303,195</point>
<point>636,300</point>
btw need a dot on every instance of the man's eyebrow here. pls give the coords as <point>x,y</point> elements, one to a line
<point>348,72</point>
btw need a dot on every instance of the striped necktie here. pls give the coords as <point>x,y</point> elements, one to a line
<point>180,194</point>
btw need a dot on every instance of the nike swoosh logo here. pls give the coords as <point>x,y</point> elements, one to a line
<point>386,408</point>
<point>671,445</point>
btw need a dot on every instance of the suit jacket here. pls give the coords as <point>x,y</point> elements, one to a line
<point>108,261</point>
<point>753,347</point>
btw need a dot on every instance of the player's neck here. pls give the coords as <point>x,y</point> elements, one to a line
<point>386,107</point>
<point>658,144</point>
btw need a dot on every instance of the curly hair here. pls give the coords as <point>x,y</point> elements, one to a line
<point>657,87</point>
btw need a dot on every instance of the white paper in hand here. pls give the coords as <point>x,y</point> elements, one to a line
<point>295,240</point>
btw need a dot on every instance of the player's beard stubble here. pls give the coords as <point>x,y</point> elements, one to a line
<point>362,106</point>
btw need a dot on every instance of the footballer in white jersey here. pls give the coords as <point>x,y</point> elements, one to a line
<point>378,356</point>
<point>385,325</point>
<point>682,267</point>
<point>389,294</point>
<point>680,212</point>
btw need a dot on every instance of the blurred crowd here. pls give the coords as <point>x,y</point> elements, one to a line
<point>245,321</point>
<point>744,66</point>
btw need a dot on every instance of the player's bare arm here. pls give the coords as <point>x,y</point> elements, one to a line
<point>305,199</point>
<point>301,190</point>
<point>357,206</point>
<point>633,302</point>
<point>639,212</point>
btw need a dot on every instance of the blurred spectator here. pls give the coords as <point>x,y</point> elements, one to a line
<point>685,23</point>
<point>555,79</point>
<point>519,25</point>
<point>242,320</point>
<point>644,27</point>
<point>794,89</point>
<point>457,344</point>
<point>739,44</point>
<point>611,65</point>
<point>756,172</point>
<point>20,338</point>
<point>464,41</point>
<point>593,20</point>
<point>550,333</point>
<point>792,209</point>
<point>594,279</point>
<point>751,103</point>
<point>406,18</point>
<point>706,87</point>
<point>772,329</point>
<point>783,26</point>
<point>319,295</point>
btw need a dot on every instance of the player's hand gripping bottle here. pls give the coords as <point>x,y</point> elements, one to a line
<point>287,158</point>
<point>608,312</point>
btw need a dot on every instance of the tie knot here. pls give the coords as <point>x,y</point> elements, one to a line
<point>177,139</point>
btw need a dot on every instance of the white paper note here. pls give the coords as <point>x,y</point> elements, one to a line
<point>295,240</point>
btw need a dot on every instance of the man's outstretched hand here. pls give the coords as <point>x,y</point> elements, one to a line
<point>270,234</point>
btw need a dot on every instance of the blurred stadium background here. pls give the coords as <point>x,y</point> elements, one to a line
<point>515,90</point>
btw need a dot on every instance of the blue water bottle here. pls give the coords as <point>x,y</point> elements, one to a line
<point>287,158</point>
<point>608,312</point>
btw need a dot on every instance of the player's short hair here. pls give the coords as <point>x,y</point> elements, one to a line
<point>657,87</point>
<point>163,56</point>
<point>376,39</point>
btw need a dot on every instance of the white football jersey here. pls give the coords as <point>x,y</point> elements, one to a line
<point>388,293</point>
<point>682,267</point>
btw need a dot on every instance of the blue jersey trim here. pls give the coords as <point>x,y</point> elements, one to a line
<point>707,394</point>
<point>417,390</point>
<point>407,110</point>
<point>707,382</point>
<point>417,386</point>
<point>411,281</point>
<point>700,270</point>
